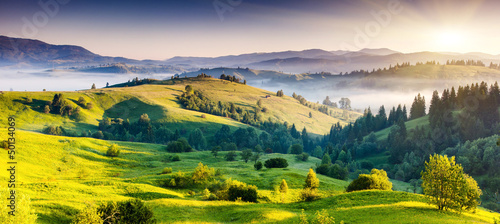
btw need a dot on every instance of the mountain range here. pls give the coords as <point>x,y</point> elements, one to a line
<point>28,53</point>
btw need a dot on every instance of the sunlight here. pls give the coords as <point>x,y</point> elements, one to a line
<point>450,38</point>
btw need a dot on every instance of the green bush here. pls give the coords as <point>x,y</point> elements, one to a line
<point>376,180</point>
<point>296,149</point>
<point>132,211</point>
<point>181,145</point>
<point>230,156</point>
<point>276,163</point>
<point>258,165</point>
<point>176,158</point>
<point>303,156</point>
<point>89,215</point>
<point>309,194</point>
<point>53,130</point>
<point>113,151</point>
<point>166,170</point>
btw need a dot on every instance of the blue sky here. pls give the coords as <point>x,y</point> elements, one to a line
<point>163,29</point>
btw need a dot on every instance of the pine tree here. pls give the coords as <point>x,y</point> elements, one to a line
<point>93,86</point>
<point>312,182</point>
<point>283,187</point>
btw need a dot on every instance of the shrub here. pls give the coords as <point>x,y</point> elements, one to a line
<point>132,211</point>
<point>181,145</point>
<point>233,190</point>
<point>202,173</point>
<point>53,130</point>
<point>376,180</point>
<point>230,156</point>
<point>166,170</point>
<point>176,158</point>
<point>276,163</point>
<point>46,109</point>
<point>89,215</point>
<point>308,194</point>
<point>206,194</point>
<point>89,105</point>
<point>303,156</point>
<point>82,102</point>
<point>258,165</point>
<point>29,100</point>
<point>323,169</point>
<point>113,151</point>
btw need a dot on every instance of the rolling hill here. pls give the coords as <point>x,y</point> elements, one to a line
<point>63,175</point>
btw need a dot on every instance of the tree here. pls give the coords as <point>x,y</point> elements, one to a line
<point>246,154</point>
<point>326,159</point>
<point>258,165</point>
<point>283,187</point>
<point>310,115</point>
<point>93,86</point>
<point>215,151</point>
<point>276,163</point>
<point>312,181</point>
<point>189,89</point>
<point>46,109</point>
<point>296,149</point>
<point>447,186</point>
<point>197,140</point>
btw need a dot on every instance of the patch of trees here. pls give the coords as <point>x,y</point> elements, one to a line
<point>232,79</point>
<point>61,106</point>
<point>417,107</point>
<point>314,106</point>
<point>131,211</point>
<point>215,187</point>
<point>466,62</point>
<point>337,170</point>
<point>195,100</point>
<point>376,180</point>
<point>280,93</point>
<point>276,163</point>
<point>181,145</point>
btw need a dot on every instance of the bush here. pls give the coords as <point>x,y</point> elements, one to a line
<point>176,158</point>
<point>258,165</point>
<point>53,130</point>
<point>276,163</point>
<point>376,180</point>
<point>233,190</point>
<point>29,100</point>
<point>181,145</point>
<point>309,194</point>
<point>230,156</point>
<point>113,151</point>
<point>89,215</point>
<point>166,170</point>
<point>303,156</point>
<point>132,211</point>
<point>202,173</point>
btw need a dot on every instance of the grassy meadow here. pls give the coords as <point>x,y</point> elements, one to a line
<point>63,175</point>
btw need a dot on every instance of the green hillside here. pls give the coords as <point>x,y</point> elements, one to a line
<point>63,175</point>
<point>161,104</point>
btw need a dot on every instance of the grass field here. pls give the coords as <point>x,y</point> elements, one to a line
<point>64,174</point>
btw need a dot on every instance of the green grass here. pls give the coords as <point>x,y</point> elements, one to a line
<point>63,174</point>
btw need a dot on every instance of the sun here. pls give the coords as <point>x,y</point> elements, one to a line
<point>450,38</point>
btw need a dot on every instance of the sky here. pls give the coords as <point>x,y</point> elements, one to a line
<point>163,29</point>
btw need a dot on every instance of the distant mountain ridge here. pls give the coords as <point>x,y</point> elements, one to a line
<point>20,53</point>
